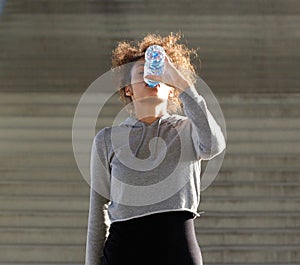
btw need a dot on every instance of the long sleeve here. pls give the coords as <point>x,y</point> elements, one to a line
<point>97,229</point>
<point>207,135</point>
<point>98,220</point>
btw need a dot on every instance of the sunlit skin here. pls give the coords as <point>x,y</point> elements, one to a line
<point>151,103</point>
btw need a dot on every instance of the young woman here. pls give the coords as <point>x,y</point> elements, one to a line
<point>145,172</point>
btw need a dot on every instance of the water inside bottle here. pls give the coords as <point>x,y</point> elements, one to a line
<point>154,63</point>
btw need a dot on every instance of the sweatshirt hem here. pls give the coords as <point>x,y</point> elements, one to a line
<point>196,214</point>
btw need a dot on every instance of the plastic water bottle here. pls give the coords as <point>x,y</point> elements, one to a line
<point>154,63</point>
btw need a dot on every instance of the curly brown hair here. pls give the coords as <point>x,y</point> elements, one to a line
<point>129,52</point>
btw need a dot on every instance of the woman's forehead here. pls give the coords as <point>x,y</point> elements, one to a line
<point>138,65</point>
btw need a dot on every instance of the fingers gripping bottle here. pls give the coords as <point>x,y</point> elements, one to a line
<point>154,63</point>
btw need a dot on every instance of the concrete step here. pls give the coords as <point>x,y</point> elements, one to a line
<point>66,160</point>
<point>66,123</point>
<point>73,254</point>
<point>248,219</point>
<point>42,236</point>
<point>262,135</point>
<point>65,146</point>
<point>270,123</point>
<point>42,123</point>
<point>47,188</point>
<point>233,135</point>
<point>210,219</point>
<point>62,98</point>
<point>215,203</point>
<point>64,109</point>
<point>35,173</point>
<point>250,263</point>
<point>246,203</point>
<point>57,254</point>
<point>41,105</point>
<point>262,161</point>
<point>225,100</point>
<point>251,254</point>
<point>42,203</point>
<point>238,53</point>
<point>39,160</point>
<point>250,236</point>
<point>249,188</point>
<point>19,122</point>
<point>207,237</point>
<point>81,188</point>
<point>286,174</point>
<point>283,175</point>
<point>38,146</point>
<point>239,111</point>
<point>229,24</point>
<point>30,134</point>
<point>43,219</point>
<point>41,263</point>
<point>133,7</point>
<point>230,110</point>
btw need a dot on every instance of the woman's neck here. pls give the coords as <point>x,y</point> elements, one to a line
<point>149,119</point>
<point>150,113</point>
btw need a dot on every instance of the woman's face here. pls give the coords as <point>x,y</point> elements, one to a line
<point>139,88</point>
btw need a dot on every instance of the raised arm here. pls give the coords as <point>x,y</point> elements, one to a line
<point>207,135</point>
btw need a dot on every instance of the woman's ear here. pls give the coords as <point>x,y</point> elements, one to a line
<point>128,91</point>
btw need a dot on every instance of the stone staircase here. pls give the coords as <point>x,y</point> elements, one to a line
<point>50,51</point>
<point>251,209</point>
<point>255,198</point>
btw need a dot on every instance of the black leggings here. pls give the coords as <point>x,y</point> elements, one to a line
<point>157,239</point>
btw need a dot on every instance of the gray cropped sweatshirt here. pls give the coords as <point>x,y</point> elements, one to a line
<point>139,169</point>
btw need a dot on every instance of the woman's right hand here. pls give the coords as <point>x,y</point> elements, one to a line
<point>172,77</point>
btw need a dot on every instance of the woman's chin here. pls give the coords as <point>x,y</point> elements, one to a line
<point>155,99</point>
